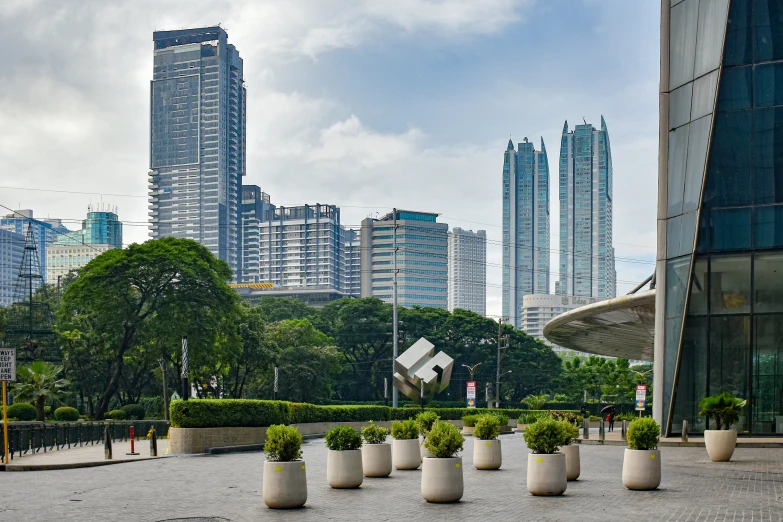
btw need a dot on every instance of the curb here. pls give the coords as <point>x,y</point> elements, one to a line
<point>662,444</point>
<point>73,465</point>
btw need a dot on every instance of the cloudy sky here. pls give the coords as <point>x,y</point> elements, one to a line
<point>366,104</point>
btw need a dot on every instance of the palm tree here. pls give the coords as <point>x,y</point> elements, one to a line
<point>38,384</point>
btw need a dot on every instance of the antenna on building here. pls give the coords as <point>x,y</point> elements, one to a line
<point>584,120</point>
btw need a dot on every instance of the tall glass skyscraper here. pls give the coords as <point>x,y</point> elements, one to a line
<point>586,252</point>
<point>197,140</point>
<point>102,227</point>
<point>525,226</point>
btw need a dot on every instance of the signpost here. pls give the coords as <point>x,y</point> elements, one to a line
<point>641,398</point>
<point>7,373</point>
<point>471,394</point>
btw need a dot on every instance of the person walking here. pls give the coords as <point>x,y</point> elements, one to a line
<point>610,420</point>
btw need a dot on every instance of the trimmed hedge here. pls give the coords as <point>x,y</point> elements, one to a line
<point>134,411</point>
<point>214,413</point>
<point>24,411</point>
<point>66,414</point>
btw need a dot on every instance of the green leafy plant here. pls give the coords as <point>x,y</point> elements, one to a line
<point>501,417</point>
<point>570,430</point>
<point>469,421</point>
<point>426,420</point>
<point>487,427</point>
<point>373,434</point>
<point>134,411</point>
<point>39,383</point>
<point>444,440</point>
<point>66,414</point>
<point>23,411</point>
<point>643,434</point>
<point>535,402</point>
<point>283,443</point>
<point>568,416</point>
<point>343,438</point>
<point>723,408</point>
<point>116,415</point>
<point>545,436</point>
<point>405,430</point>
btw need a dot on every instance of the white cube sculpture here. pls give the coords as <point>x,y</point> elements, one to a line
<point>416,369</point>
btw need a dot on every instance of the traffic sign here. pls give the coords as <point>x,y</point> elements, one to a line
<point>641,397</point>
<point>7,364</point>
<point>471,394</point>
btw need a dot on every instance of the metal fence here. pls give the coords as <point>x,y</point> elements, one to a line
<point>35,437</point>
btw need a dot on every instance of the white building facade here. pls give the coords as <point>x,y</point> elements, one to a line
<point>539,309</point>
<point>63,259</point>
<point>467,279</point>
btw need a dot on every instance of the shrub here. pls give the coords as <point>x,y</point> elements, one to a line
<point>153,407</point>
<point>426,419</point>
<point>545,436</point>
<point>283,443</point>
<point>630,417</point>
<point>343,438</point>
<point>24,411</point>
<point>66,414</point>
<point>405,430</point>
<point>470,420</point>
<point>502,418</point>
<point>570,431</point>
<point>723,408</point>
<point>529,418</point>
<point>217,413</point>
<point>487,427</point>
<point>115,415</point>
<point>567,416</point>
<point>373,434</point>
<point>444,440</point>
<point>133,411</point>
<point>535,402</point>
<point>643,434</point>
<point>302,412</point>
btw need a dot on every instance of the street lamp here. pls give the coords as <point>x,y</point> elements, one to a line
<point>472,369</point>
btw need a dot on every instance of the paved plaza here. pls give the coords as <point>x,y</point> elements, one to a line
<point>228,487</point>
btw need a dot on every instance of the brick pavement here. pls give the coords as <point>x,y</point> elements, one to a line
<point>229,487</point>
<point>84,455</point>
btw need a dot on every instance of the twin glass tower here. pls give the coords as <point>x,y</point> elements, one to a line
<point>585,191</point>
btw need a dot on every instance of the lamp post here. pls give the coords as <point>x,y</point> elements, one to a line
<point>185,385</point>
<point>472,369</point>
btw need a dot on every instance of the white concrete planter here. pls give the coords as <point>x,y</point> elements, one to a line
<point>506,429</point>
<point>573,465</point>
<point>720,444</point>
<point>487,454</point>
<point>285,484</point>
<point>377,460</point>
<point>546,474</point>
<point>642,469</point>
<point>467,430</point>
<point>424,451</point>
<point>344,469</point>
<point>406,454</point>
<point>521,427</point>
<point>441,480</point>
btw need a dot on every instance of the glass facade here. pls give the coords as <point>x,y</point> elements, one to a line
<point>525,226</point>
<point>724,333</point>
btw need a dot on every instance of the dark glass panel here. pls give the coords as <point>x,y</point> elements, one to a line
<point>767,373</point>
<point>730,357</point>
<point>676,281</point>
<point>678,152</point>
<point>729,229</point>
<point>768,19</point>
<point>672,343</point>
<point>698,139</point>
<point>730,164</point>
<point>688,233</point>
<point>736,89</point>
<point>768,155</point>
<point>768,85</point>
<point>768,283</point>
<point>768,227</point>
<point>729,284</point>
<point>699,298</point>
<point>673,232</point>
<point>738,48</point>
<point>703,241</point>
<point>692,375</point>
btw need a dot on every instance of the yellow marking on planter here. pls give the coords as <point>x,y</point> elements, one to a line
<point>303,466</point>
<point>488,444</point>
<point>652,456</point>
<point>456,465</point>
<point>539,459</point>
<point>278,468</point>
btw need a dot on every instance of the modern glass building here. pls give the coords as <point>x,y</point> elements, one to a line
<point>586,253</point>
<point>719,311</point>
<point>197,140</point>
<point>11,255</point>
<point>525,226</point>
<point>43,232</point>
<point>467,283</point>
<point>102,227</point>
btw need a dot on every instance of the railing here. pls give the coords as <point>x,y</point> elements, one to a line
<point>33,437</point>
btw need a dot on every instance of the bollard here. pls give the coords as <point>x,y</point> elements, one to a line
<point>685,431</point>
<point>107,443</point>
<point>623,429</point>
<point>133,443</point>
<point>153,443</point>
<point>586,429</point>
<point>601,432</point>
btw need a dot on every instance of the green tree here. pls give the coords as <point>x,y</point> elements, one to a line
<point>165,288</point>
<point>39,383</point>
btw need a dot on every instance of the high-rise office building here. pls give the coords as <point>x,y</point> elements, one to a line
<point>586,252</point>
<point>467,281</point>
<point>256,207</point>
<point>525,226</point>
<point>422,259</point>
<point>197,140</point>
<point>102,227</point>
<point>539,309</point>
<point>62,259</point>
<point>11,254</point>
<point>44,233</point>
<point>352,262</point>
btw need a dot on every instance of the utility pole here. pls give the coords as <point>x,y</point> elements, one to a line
<point>501,347</point>
<point>185,384</point>
<point>394,308</point>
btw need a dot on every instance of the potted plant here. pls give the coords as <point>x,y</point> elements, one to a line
<point>642,458</point>
<point>503,420</point>
<point>344,458</point>
<point>426,420</point>
<point>725,410</point>
<point>468,423</point>
<point>407,453</point>
<point>571,450</point>
<point>546,467</point>
<point>441,477</point>
<point>376,452</point>
<point>285,479</point>
<point>486,446</point>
